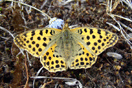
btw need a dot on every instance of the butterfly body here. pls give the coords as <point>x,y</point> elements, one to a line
<point>67,48</point>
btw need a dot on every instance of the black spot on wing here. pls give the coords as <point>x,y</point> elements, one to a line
<point>82,63</point>
<point>80,31</point>
<point>77,60</point>
<point>86,59</point>
<point>77,64</point>
<point>93,48</point>
<point>99,41</point>
<point>51,32</point>
<point>88,43</point>
<point>49,58</point>
<point>57,61</point>
<point>104,39</point>
<point>99,31</point>
<point>44,44</point>
<point>90,58</point>
<point>27,41</point>
<point>45,57</point>
<point>57,66</point>
<point>44,38</point>
<point>29,46</point>
<point>47,63</point>
<point>49,39</point>
<point>82,38</point>
<point>95,43</point>
<point>106,33</point>
<point>33,33</point>
<point>33,42</point>
<point>25,34</point>
<point>95,51</point>
<point>62,62</point>
<point>41,33</point>
<point>100,36</point>
<point>38,38</point>
<point>46,31</point>
<point>93,36</point>
<point>107,37</point>
<point>47,53</point>
<point>52,62</point>
<point>103,44</point>
<point>37,53</point>
<point>24,39</point>
<point>33,49</point>
<point>91,31</point>
<point>99,47</point>
<point>88,37</point>
<point>87,54</point>
<point>85,30</point>
<point>31,38</point>
<point>81,59</point>
<point>39,49</point>
<point>37,45</point>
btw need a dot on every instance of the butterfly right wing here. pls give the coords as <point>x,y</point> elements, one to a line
<point>96,40</point>
<point>93,42</point>
<point>35,41</point>
<point>83,59</point>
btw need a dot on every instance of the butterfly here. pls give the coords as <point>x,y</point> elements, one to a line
<point>59,50</point>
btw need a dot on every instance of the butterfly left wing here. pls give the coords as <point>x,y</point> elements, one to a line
<point>52,60</point>
<point>36,41</point>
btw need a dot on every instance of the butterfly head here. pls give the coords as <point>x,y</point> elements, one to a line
<point>65,27</point>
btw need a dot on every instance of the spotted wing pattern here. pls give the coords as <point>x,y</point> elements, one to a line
<point>83,60</point>
<point>53,61</point>
<point>35,41</point>
<point>87,40</point>
<point>96,39</point>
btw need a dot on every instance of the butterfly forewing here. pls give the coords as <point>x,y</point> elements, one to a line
<point>35,41</point>
<point>96,39</point>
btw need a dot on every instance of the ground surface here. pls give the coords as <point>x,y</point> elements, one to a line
<point>107,72</point>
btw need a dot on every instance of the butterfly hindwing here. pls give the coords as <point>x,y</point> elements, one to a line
<point>96,39</point>
<point>53,61</point>
<point>35,41</point>
<point>83,60</point>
